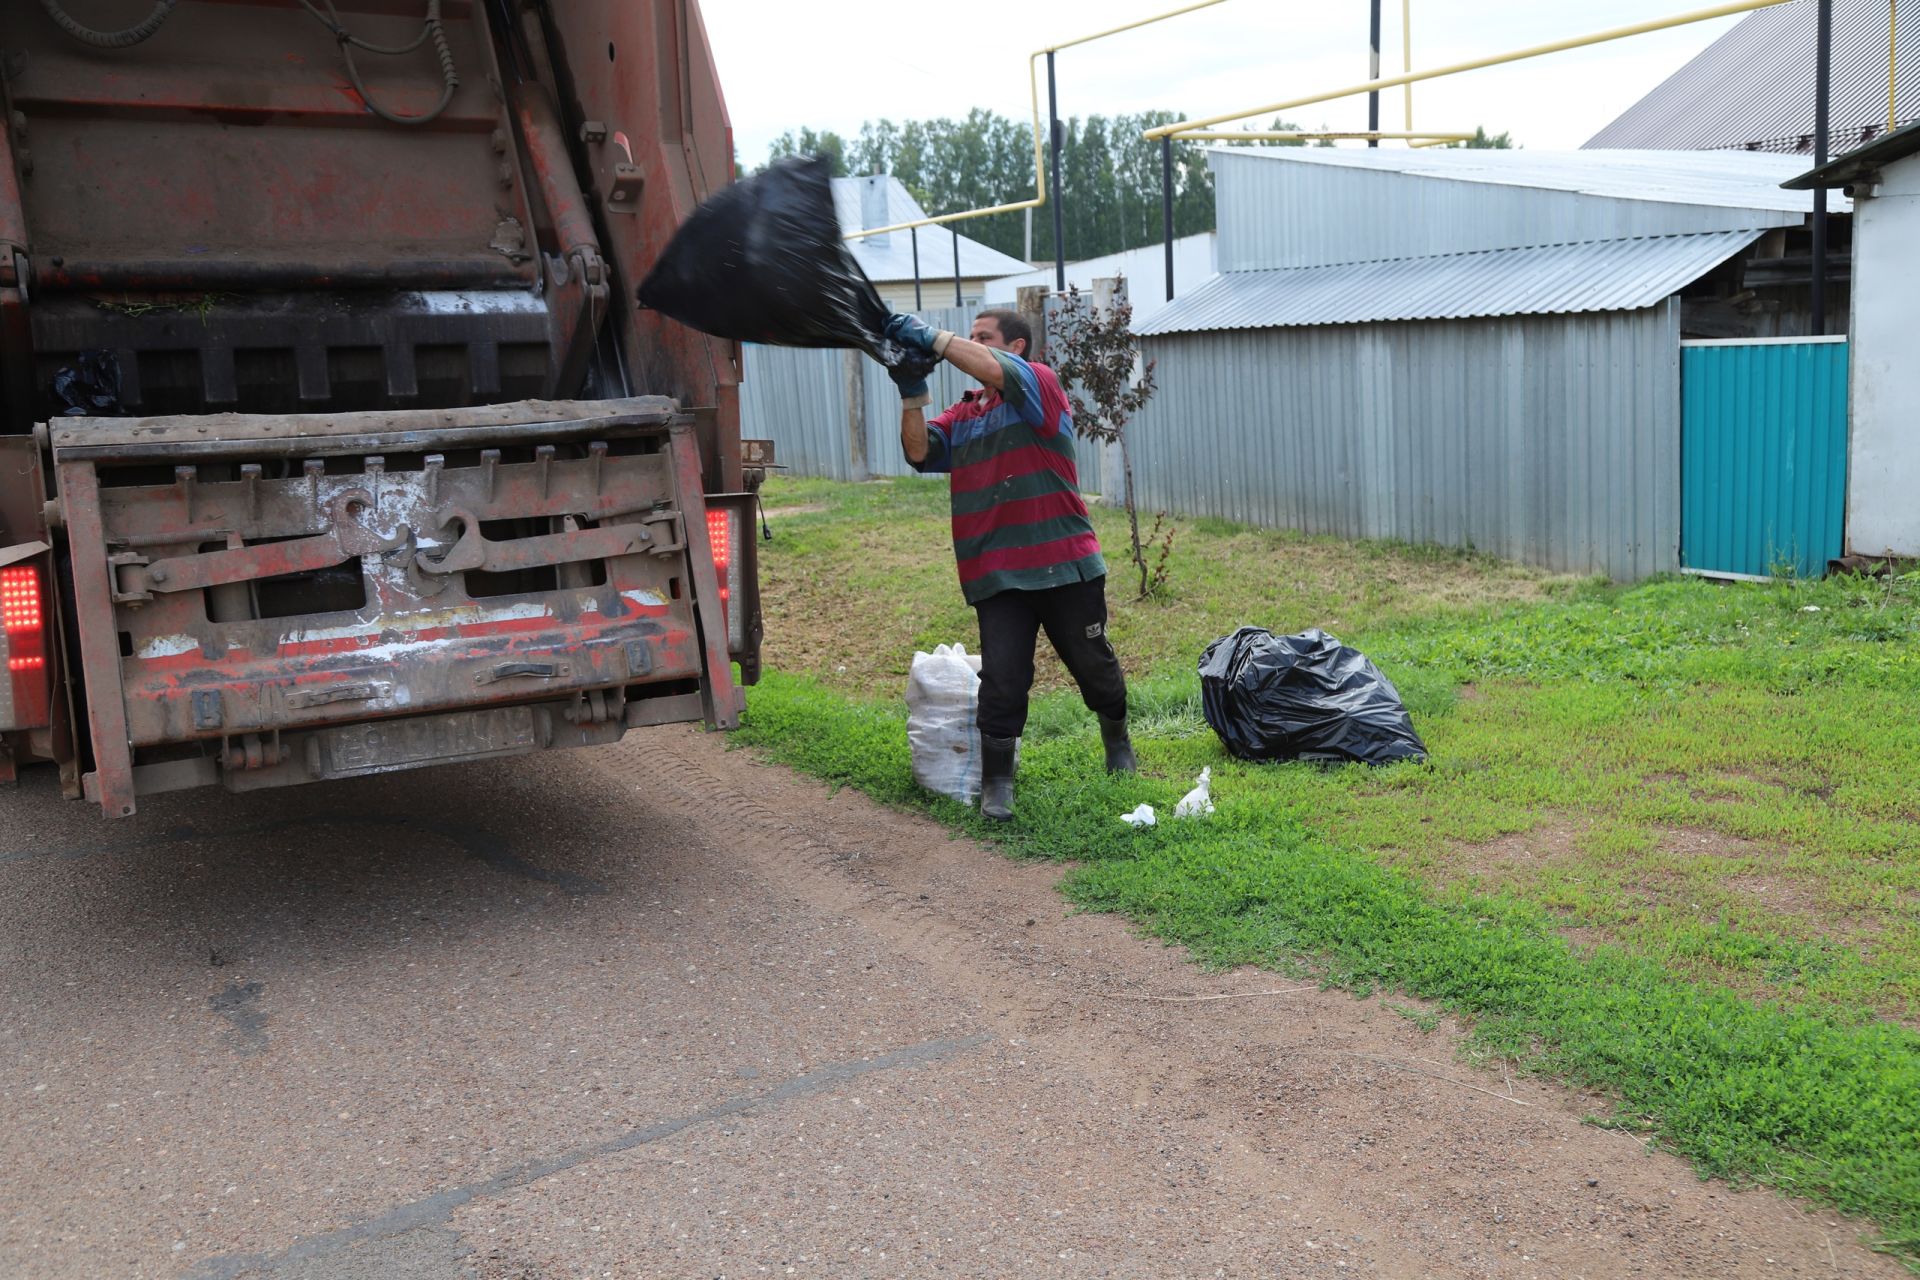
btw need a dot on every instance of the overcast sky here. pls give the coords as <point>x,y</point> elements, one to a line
<point>830,64</point>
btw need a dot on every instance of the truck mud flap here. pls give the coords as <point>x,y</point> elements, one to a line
<point>285,598</point>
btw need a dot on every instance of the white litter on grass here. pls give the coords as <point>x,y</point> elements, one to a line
<point>1140,817</point>
<point>1809,608</point>
<point>1199,801</point>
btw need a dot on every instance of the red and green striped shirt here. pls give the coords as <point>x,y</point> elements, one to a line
<point>1018,521</point>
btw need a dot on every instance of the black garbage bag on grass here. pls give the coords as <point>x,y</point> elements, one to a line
<point>763,261</point>
<point>1303,697</point>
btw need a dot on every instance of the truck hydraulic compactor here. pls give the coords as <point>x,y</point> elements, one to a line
<point>333,443</point>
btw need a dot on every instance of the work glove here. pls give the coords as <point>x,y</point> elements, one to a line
<point>912,331</point>
<point>910,375</point>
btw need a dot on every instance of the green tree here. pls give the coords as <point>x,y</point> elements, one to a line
<point>1483,141</point>
<point>1110,175</point>
<point>808,143</point>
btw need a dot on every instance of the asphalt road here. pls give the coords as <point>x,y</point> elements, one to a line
<point>658,1010</point>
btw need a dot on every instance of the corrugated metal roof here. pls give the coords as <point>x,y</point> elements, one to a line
<point>1144,269</point>
<point>1861,161</point>
<point>1753,87</point>
<point>890,257</point>
<point>1604,275</point>
<point>1727,180</point>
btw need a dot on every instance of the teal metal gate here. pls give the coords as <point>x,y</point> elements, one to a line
<point>1763,456</point>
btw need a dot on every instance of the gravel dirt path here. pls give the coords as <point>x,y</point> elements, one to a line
<point>661,1010</point>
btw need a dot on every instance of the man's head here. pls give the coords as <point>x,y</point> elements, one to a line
<point>1003,330</point>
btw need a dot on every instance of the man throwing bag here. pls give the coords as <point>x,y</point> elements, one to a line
<point>1027,553</point>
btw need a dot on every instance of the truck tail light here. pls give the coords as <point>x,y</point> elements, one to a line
<point>723,533</point>
<point>23,615</point>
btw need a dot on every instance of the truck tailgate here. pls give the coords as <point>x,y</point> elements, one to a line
<point>267,599</point>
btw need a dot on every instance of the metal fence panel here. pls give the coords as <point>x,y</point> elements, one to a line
<point>798,399</point>
<point>1553,440</point>
<point>1763,455</point>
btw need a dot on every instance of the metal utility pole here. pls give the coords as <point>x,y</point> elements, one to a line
<point>1373,73</point>
<point>1823,58</point>
<point>1053,178</point>
<point>957,300</point>
<point>1166,206</point>
<point>915,233</point>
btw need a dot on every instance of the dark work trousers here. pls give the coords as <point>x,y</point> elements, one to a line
<point>1075,619</point>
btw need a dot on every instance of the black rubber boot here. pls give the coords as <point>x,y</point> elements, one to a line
<point>996,777</point>
<point>1113,736</point>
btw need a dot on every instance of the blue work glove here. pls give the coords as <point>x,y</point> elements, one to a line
<point>910,375</point>
<point>912,331</point>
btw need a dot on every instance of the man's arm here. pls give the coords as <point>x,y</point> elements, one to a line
<point>964,354</point>
<point>976,361</point>
<point>925,450</point>
<point>913,434</point>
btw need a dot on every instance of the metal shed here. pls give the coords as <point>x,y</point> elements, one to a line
<point>1475,349</point>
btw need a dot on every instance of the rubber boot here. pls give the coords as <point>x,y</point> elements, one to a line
<point>1113,736</point>
<point>996,777</point>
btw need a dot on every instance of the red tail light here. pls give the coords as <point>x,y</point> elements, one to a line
<point>23,615</point>
<point>723,534</point>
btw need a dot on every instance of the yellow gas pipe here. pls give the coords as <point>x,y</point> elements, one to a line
<point>1473,64</point>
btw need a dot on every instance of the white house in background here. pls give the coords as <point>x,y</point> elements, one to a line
<point>888,259</point>
<point>1144,269</point>
<point>1883,472</point>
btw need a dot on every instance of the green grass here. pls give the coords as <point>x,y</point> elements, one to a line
<point>1668,843</point>
<point>882,549</point>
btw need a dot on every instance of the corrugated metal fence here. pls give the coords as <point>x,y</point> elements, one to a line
<point>1553,440</point>
<point>1764,455</point>
<point>836,413</point>
<point>798,399</point>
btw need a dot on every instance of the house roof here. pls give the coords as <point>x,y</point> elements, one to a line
<point>889,258</point>
<point>1603,275</point>
<point>1753,87</point>
<point>1850,168</point>
<point>1724,179</point>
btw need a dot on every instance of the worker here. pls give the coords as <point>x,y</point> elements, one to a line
<point>1027,553</point>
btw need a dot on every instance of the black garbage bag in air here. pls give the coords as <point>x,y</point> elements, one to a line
<point>763,261</point>
<point>90,386</point>
<point>1303,697</point>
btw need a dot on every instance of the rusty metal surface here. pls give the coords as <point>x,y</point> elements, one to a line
<point>601,506</point>
<point>217,209</point>
<point>723,701</point>
<point>16,340</point>
<point>288,352</point>
<point>297,435</point>
<point>273,171</point>
<point>643,72</point>
<point>577,289</point>
<point>110,783</point>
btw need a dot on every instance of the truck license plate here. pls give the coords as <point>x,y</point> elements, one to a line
<point>398,744</point>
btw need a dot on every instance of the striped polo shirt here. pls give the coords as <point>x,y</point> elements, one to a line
<point>1018,521</point>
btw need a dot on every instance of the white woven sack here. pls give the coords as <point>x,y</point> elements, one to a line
<point>943,697</point>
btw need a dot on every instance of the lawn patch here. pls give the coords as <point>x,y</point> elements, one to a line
<point>1666,844</point>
